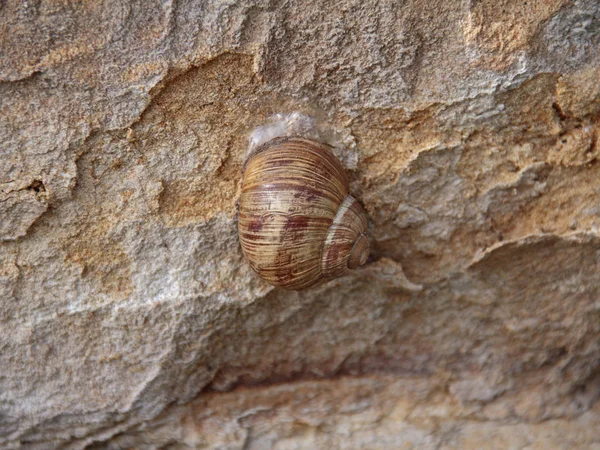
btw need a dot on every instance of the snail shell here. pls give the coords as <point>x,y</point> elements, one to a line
<point>298,226</point>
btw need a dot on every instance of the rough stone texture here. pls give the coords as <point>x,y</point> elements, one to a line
<point>471,132</point>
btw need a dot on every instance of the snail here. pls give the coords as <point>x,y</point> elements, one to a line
<point>298,225</point>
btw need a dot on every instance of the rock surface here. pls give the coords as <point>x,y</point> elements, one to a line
<point>471,133</point>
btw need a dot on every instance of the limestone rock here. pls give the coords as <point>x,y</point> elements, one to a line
<point>471,134</point>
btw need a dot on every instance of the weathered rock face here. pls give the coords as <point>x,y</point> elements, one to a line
<point>471,133</point>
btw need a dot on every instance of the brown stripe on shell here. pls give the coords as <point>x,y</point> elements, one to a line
<point>308,161</point>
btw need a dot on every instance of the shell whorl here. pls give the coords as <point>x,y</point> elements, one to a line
<point>297,224</point>
<point>346,246</point>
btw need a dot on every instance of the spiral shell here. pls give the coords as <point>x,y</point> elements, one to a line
<point>298,226</point>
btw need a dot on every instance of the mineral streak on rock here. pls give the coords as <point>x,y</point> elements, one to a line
<point>129,317</point>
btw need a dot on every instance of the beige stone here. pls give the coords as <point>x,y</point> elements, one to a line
<point>129,318</point>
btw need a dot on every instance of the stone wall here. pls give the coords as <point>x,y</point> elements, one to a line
<point>471,134</point>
